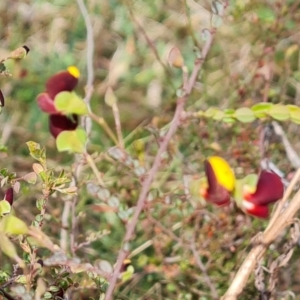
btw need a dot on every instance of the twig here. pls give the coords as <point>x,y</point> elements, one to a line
<point>6,295</point>
<point>130,230</point>
<point>286,196</point>
<point>189,246</point>
<point>116,113</point>
<point>275,228</point>
<point>104,126</point>
<point>201,266</point>
<point>65,225</point>
<point>9,125</point>
<point>70,206</point>
<point>290,152</point>
<point>93,166</point>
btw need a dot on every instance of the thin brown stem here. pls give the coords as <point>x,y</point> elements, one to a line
<point>101,121</point>
<point>116,113</point>
<point>189,246</point>
<point>201,266</point>
<point>130,230</point>
<point>277,225</point>
<point>94,168</point>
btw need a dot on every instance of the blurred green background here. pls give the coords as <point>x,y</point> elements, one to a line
<point>255,58</point>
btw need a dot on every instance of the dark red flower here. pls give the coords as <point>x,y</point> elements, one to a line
<point>215,192</point>
<point>59,123</point>
<point>9,196</point>
<point>60,82</point>
<point>46,104</point>
<point>269,189</point>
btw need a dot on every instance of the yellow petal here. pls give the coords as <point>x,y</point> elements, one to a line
<point>223,172</point>
<point>74,71</point>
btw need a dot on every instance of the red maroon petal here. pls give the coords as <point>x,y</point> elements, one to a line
<point>9,196</point>
<point>59,123</point>
<point>211,178</point>
<point>215,193</point>
<point>259,211</point>
<point>220,199</point>
<point>269,189</point>
<point>46,104</point>
<point>1,99</point>
<point>62,81</point>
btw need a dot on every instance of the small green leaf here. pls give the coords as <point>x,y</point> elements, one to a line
<point>5,208</point>
<point>219,115</point>
<point>279,112</point>
<point>127,275</point>
<point>71,190</point>
<point>35,150</point>
<point>294,113</point>
<point>48,295</point>
<point>13,225</point>
<point>69,103</point>
<point>53,288</point>
<point>72,141</point>
<point>40,203</point>
<point>229,112</point>
<point>261,110</point>
<point>211,112</point>
<point>228,120</point>
<point>229,116</point>
<point>245,115</point>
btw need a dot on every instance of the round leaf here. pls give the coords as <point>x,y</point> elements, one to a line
<point>218,115</point>
<point>294,113</point>
<point>229,116</point>
<point>261,110</point>
<point>5,208</point>
<point>245,115</point>
<point>211,112</point>
<point>69,103</point>
<point>13,225</point>
<point>72,141</point>
<point>279,112</point>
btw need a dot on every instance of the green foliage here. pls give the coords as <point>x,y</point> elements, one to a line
<point>69,103</point>
<point>72,141</point>
<point>258,111</point>
<point>249,79</point>
<point>4,208</point>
